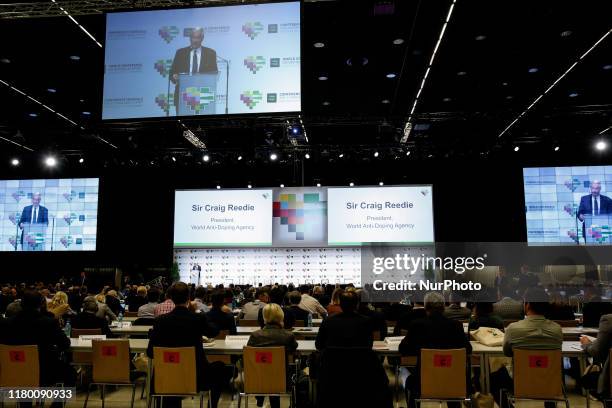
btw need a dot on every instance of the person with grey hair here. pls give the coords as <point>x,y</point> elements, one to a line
<point>194,59</point>
<point>434,331</point>
<point>34,214</point>
<point>593,204</point>
<point>87,319</point>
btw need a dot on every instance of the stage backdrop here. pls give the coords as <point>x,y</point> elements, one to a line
<point>69,219</point>
<point>261,43</point>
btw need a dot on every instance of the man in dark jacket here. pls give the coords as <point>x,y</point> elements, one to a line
<point>298,313</point>
<point>183,328</point>
<point>216,315</point>
<point>31,327</point>
<point>435,331</point>
<point>87,319</point>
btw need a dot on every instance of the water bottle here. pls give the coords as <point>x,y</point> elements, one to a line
<point>309,322</point>
<point>234,303</point>
<point>67,328</point>
<point>120,320</point>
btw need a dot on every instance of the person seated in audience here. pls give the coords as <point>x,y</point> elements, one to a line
<point>182,327</point>
<point>148,310</point>
<point>334,306</point>
<point>559,309</point>
<point>484,317</point>
<point>594,307</point>
<point>103,309</point>
<point>217,316</point>
<point>377,319</point>
<point>5,299</point>
<point>112,301</point>
<point>273,334</point>
<point>434,331</point>
<point>455,311</point>
<point>310,303</point>
<point>166,306</point>
<point>75,298</point>
<point>32,327</point>
<point>88,319</point>
<point>294,309</point>
<point>599,349</point>
<point>59,306</point>
<point>416,312</point>
<point>345,329</point>
<point>251,309</point>
<point>200,300</point>
<point>138,299</point>
<point>533,332</point>
<point>46,294</point>
<point>318,292</point>
<point>508,308</point>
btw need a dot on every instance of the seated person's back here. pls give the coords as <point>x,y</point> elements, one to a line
<point>298,313</point>
<point>216,315</point>
<point>87,319</point>
<point>346,329</point>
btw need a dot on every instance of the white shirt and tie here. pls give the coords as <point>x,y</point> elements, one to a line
<point>195,57</point>
<point>35,210</point>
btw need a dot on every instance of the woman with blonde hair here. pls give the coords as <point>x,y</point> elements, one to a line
<point>103,309</point>
<point>59,305</point>
<point>334,306</point>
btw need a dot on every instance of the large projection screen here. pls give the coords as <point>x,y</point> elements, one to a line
<point>48,215</point>
<point>203,61</point>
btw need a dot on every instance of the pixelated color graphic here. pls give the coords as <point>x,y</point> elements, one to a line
<point>254,63</point>
<point>66,241</point>
<point>163,66</point>
<point>302,216</point>
<point>600,233</point>
<point>168,33</point>
<point>572,184</point>
<point>251,98</point>
<point>197,98</point>
<point>252,29</point>
<point>162,101</point>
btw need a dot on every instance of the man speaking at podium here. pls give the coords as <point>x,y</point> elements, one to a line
<point>34,214</point>
<point>594,204</point>
<point>194,59</point>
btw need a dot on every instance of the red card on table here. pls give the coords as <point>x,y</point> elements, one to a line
<point>172,357</point>
<point>109,351</point>
<point>263,357</point>
<point>17,356</point>
<point>442,360</point>
<point>538,361</point>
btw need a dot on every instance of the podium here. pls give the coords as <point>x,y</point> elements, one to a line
<point>34,237</point>
<point>598,229</point>
<point>197,94</point>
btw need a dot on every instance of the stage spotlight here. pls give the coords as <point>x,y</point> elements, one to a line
<point>556,148</point>
<point>375,154</point>
<point>601,145</point>
<point>206,158</point>
<point>351,184</point>
<point>516,148</point>
<point>273,156</point>
<point>381,183</point>
<point>82,160</point>
<point>50,161</point>
<point>307,156</point>
<point>318,184</point>
<point>282,186</point>
<point>15,162</point>
<point>239,158</point>
<point>408,153</point>
<point>218,187</point>
<point>341,155</point>
<point>249,186</point>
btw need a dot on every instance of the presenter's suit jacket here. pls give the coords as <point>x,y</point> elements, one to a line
<point>180,65</point>
<point>42,218</point>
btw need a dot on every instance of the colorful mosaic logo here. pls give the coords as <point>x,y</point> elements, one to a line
<point>67,240</point>
<point>572,184</point>
<point>252,29</point>
<point>13,242</point>
<point>162,101</point>
<point>198,98</point>
<point>18,195</point>
<point>168,33</point>
<point>163,66</point>
<point>251,98</point>
<point>292,211</point>
<point>70,196</point>
<point>70,218</point>
<point>13,218</point>
<point>599,233</point>
<point>254,64</point>
<point>570,209</point>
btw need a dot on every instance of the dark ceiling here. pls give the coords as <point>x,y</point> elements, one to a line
<point>495,59</point>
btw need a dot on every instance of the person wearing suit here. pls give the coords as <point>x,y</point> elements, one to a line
<point>593,204</point>
<point>434,331</point>
<point>33,214</point>
<point>271,335</point>
<point>87,319</point>
<point>294,309</point>
<point>600,350</point>
<point>345,341</point>
<point>182,327</point>
<point>32,326</point>
<point>194,59</point>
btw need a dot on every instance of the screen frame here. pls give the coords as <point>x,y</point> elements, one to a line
<point>282,114</point>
